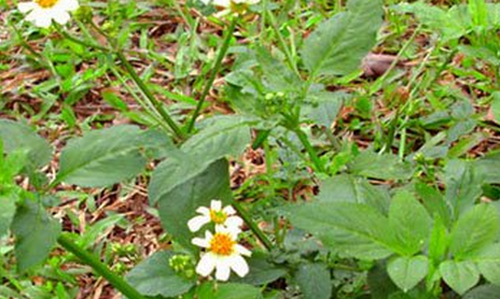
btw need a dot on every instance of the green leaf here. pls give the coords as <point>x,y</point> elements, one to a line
<point>36,234</point>
<point>177,206</point>
<point>352,230</point>
<point>347,188</point>
<point>17,136</point>
<point>460,276</point>
<point>7,212</point>
<point>486,291</point>
<point>439,241</point>
<point>410,222</point>
<point>384,167</point>
<point>228,291</point>
<point>463,186</point>
<point>323,107</point>
<point>153,277</point>
<point>474,230</point>
<point>338,45</point>
<point>261,270</point>
<point>488,262</point>
<point>314,281</point>
<point>278,76</point>
<point>487,167</point>
<point>103,157</point>
<point>407,272</point>
<point>434,202</point>
<point>222,136</point>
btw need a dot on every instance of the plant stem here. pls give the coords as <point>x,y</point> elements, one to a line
<point>149,95</point>
<point>215,70</point>
<point>79,41</point>
<point>116,281</point>
<point>310,149</point>
<point>253,226</point>
<point>282,42</point>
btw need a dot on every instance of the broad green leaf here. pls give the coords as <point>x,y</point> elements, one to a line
<point>460,276</point>
<point>410,222</point>
<point>434,202</point>
<point>228,291</point>
<point>323,107</point>
<point>474,230</point>
<point>347,188</point>
<point>314,281</point>
<point>352,230</point>
<point>385,167</point>
<point>103,157</point>
<point>463,186</point>
<point>407,272</point>
<point>7,212</point>
<point>153,277</point>
<point>222,136</point>
<point>339,44</point>
<point>17,136</point>
<point>36,234</point>
<point>487,167</point>
<point>438,241</point>
<point>177,206</point>
<point>486,291</point>
<point>488,262</point>
<point>261,270</point>
<point>278,76</point>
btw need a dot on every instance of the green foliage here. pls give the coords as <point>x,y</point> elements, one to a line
<point>154,276</point>
<point>36,234</point>
<point>314,281</point>
<point>407,272</point>
<point>105,157</point>
<point>337,46</point>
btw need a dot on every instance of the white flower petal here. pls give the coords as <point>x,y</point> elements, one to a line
<point>67,5</point>
<point>239,265</point>
<point>233,221</point>
<point>197,222</point>
<point>229,210</point>
<point>203,210</point>
<point>44,20</point>
<point>222,269</point>
<point>205,243</point>
<point>206,265</point>
<point>24,7</point>
<point>60,16</point>
<point>242,250</point>
<point>230,230</point>
<point>222,3</point>
<point>215,205</point>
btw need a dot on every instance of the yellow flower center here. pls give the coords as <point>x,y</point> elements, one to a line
<point>46,3</point>
<point>222,244</point>
<point>218,217</point>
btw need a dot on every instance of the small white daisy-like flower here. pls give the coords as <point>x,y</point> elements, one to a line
<point>42,12</point>
<point>216,214</point>
<point>223,254</point>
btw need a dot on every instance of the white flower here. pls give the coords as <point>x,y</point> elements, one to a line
<point>223,254</point>
<point>216,214</point>
<point>42,12</point>
<point>227,3</point>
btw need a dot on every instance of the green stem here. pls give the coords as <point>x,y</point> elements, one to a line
<point>282,41</point>
<point>310,149</point>
<point>79,41</point>
<point>116,281</point>
<point>149,95</point>
<point>253,226</point>
<point>215,70</point>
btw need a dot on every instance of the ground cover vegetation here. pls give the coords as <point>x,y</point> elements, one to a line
<point>249,149</point>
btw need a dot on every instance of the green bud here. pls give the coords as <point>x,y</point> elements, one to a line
<point>84,14</point>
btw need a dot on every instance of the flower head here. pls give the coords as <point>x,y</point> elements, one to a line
<point>216,214</point>
<point>42,12</point>
<point>223,254</point>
